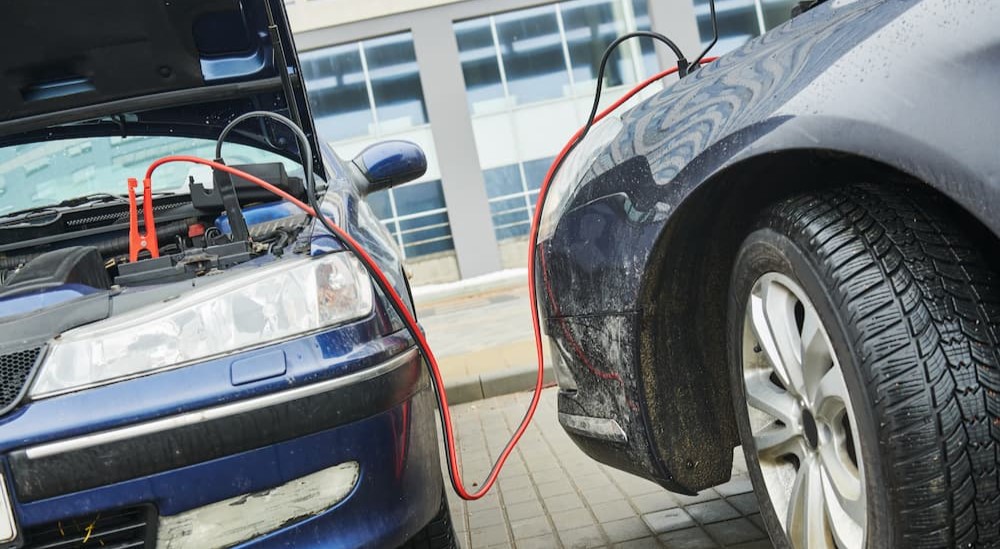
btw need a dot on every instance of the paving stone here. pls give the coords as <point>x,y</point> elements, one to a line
<point>736,485</point>
<point>745,503</point>
<point>524,510</point>
<point>530,528</point>
<point>644,543</point>
<point>758,521</point>
<point>582,538</point>
<point>759,544</point>
<point>491,535</point>
<point>734,531</point>
<point>657,501</point>
<point>601,495</point>
<point>548,541</point>
<point>612,510</point>
<point>557,488</point>
<point>625,530</point>
<point>555,496</point>
<point>668,520</point>
<point>712,511</point>
<point>482,519</point>
<point>690,538</point>
<point>519,495</point>
<point>568,520</point>
<point>564,502</point>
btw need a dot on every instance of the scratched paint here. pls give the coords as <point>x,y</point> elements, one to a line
<point>235,520</point>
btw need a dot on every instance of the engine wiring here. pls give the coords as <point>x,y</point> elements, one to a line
<point>399,305</point>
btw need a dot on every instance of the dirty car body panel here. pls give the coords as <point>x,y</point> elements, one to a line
<point>643,214</point>
<point>320,436</point>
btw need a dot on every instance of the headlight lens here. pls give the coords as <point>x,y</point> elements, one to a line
<point>266,305</point>
<point>568,177</point>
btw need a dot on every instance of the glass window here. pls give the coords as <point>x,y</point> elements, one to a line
<point>395,81</point>
<point>532,54</point>
<point>777,12</point>
<point>535,170</point>
<point>478,55</point>
<point>737,23</point>
<point>503,181</point>
<point>512,192</point>
<point>418,197</point>
<point>346,81</point>
<point>415,214</point>
<point>590,27</point>
<point>640,10</point>
<point>338,93</point>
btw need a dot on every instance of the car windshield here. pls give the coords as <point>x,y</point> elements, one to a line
<point>43,174</point>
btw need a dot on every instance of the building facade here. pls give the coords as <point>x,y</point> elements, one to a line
<point>491,89</point>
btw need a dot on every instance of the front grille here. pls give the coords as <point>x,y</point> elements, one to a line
<point>128,528</point>
<point>15,369</point>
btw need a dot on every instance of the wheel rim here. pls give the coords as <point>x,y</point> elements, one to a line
<point>801,419</point>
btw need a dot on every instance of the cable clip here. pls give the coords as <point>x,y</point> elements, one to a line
<point>147,240</point>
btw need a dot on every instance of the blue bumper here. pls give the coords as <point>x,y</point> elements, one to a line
<point>238,427</point>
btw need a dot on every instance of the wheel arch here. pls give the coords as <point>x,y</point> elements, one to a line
<point>684,295</point>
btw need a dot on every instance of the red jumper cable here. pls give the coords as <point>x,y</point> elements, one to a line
<point>411,323</point>
<point>147,240</point>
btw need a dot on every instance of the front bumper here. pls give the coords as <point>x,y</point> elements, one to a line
<point>183,441</point>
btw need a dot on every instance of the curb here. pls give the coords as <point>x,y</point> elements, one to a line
<point>424,296</point>
<point>491,384</point>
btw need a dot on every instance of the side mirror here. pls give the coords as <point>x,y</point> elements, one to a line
<point>389,163</point>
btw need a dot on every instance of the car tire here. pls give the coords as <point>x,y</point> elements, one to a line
<point>880,424</point>
<point>439,532</point>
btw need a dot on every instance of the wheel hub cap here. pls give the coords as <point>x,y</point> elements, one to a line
<point>802,420</point>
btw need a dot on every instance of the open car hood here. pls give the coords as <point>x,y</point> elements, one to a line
<point>150,67</point>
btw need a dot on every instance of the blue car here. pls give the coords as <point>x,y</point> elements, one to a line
<point>218,371</point>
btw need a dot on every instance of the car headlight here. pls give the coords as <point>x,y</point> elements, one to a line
<point>567,179</point>
<point>266,305</point>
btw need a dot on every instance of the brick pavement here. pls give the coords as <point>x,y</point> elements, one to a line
<point>551,495</point>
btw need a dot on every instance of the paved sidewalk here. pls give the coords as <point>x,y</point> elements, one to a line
<point>482,337</point>
<point>551,495</point>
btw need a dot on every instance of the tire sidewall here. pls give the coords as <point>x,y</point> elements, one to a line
<point>766,250</point>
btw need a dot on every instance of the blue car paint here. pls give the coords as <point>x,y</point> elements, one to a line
<point>400,485</point>
<point>366,517</point>
<point>24,303</point>
<point>261,213</point>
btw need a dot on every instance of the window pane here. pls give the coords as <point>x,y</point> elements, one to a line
<point>737,23</point>
<point>425,221</point>
<point>392,67</point>
<point>507,205</point>
<point>418,197</point>
<point>379,203</point>
<point>337,92</point>
<point>417,250</point>
<point>640,8</point>
<point>777,12</point>
<point>590,26</point>
<point>535,170</point>
<point>503,181</point>
<point>532,54</point>
<point>477,52</point>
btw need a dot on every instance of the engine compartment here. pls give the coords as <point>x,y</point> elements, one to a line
<point>86,241</point>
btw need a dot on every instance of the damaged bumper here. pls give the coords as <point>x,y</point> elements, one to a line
<point>336,450</point>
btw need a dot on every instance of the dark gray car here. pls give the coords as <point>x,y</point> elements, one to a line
<point>795,249</point>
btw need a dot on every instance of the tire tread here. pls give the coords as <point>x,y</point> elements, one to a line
<point>923,311</point>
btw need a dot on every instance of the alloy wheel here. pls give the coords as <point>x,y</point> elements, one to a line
<point>801,418</point>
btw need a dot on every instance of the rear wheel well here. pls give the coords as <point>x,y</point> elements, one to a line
<point>684,300</point>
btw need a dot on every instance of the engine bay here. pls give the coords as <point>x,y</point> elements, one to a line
<point>86,241</point>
